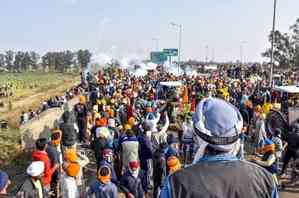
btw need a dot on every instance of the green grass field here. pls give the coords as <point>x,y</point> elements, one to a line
<point>25,84</point>
<point>30,89</point>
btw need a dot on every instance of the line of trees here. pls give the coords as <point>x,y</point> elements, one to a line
<point>286,47</point>
<point>51,61</point>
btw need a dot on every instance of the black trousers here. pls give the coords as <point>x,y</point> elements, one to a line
<point>288,156</point>
<point>82,129</point>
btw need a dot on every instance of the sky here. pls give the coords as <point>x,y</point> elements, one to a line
<point>126,28</point>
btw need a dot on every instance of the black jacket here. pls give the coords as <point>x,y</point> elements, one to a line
<point>69,135</point>
<point>293,141</point>
<point>159,167</point>
<point>137,187</point>
<point>233,179</point>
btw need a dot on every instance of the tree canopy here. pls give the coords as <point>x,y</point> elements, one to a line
<point>286,47</point>
<point>60,61</point>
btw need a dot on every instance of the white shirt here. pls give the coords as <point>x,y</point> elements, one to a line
<point>187,130</point>
<point>69,187</point>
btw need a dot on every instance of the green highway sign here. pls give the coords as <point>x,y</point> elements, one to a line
<point>171,52</point>
<point>158,57</point>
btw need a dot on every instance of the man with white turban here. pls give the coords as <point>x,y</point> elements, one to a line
<point>216,171</point>
<point>32,187</point>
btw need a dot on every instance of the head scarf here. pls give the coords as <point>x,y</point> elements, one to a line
<point>56,137</point>
<point>104,178</point>
<point>173,164</point>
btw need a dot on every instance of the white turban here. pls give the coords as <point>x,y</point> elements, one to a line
<point>36,168</point>
<point>218,124</point>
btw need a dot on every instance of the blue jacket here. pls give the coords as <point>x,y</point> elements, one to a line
<point>254,185</point>
<point>101,190</point>
<point>145,151</point>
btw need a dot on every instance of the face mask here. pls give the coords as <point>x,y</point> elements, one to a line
<point>135,173</point>
<point>108,158</point>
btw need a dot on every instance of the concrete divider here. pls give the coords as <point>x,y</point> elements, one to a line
<point>40,127</point>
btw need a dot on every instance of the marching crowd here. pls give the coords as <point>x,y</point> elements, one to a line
<point>152,141</point>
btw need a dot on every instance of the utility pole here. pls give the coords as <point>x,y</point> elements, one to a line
<point>272,44</point>
<point>207,54</point>
<point>180,27</point>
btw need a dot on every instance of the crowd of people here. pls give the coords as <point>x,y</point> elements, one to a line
<point>53,102</point>
<point>149,141</point>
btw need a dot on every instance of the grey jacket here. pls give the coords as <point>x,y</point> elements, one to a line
<point>28,190</point>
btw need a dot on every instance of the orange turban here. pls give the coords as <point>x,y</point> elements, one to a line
<point>128,127</point>
<point>173,164</point>
<point>111,113</point>
<point>70,155</point>
<point>102,122</point>
<point>131,121</point>
<point>82,99</point>
<point>185,96</point>
<point>73,169</point>
<point>56,137</point>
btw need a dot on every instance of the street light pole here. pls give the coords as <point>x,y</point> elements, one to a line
<point>242,52</point>
<point>180,43</point>
<point>207,54</point>
<point>180,48</point>
<point>272,44</point>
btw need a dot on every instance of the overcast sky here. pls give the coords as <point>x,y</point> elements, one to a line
<point>126,27</point>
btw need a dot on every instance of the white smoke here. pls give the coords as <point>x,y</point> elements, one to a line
<point>173,68</point>
<point>140,72</point>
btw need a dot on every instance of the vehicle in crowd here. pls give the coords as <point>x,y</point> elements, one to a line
<point>286,113</point>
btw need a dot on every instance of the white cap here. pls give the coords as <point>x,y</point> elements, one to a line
<point>36,168</point>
